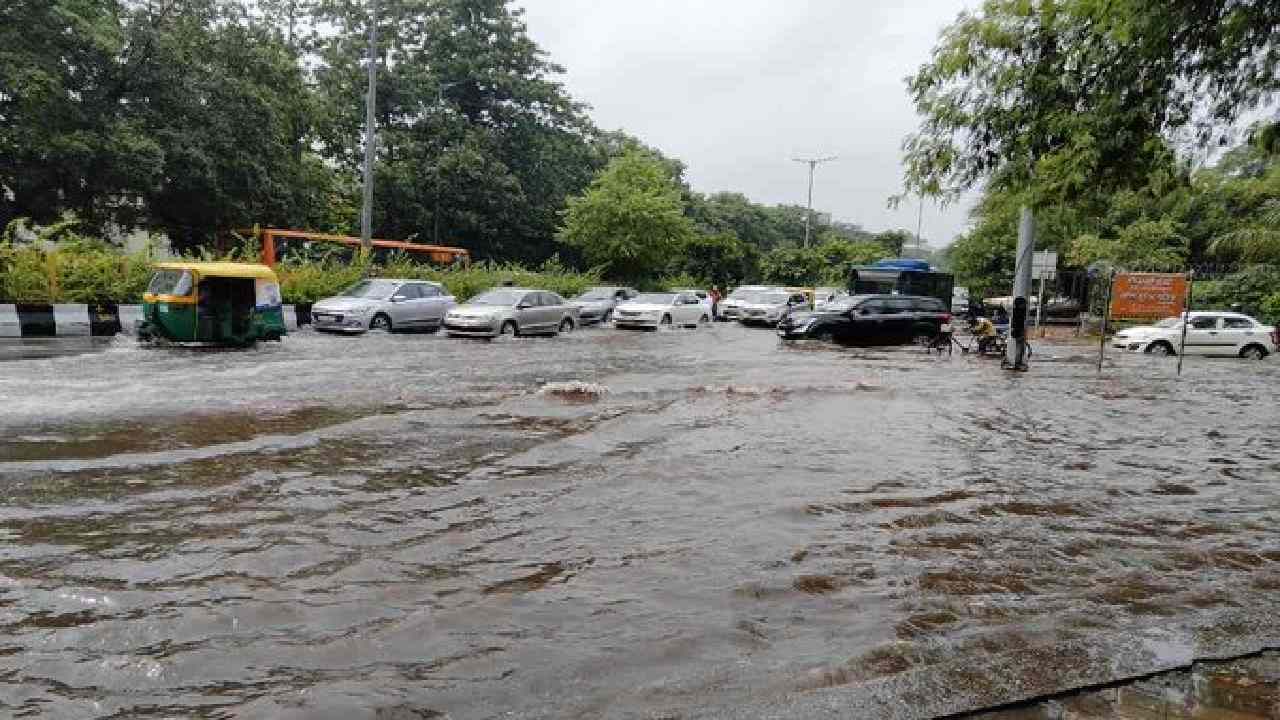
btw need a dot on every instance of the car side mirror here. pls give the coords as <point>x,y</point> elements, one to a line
<point>523,306</point>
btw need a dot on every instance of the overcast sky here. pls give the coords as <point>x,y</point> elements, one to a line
<point>736,88</point>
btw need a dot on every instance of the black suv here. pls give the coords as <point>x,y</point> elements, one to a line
<point>870,320</point>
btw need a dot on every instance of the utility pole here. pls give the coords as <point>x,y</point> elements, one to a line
<point>808,215</point>
<point>370,132</point>
<point>919,225</point>
<point>1015,352</point>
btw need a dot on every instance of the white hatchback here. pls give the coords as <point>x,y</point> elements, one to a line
<point>1208,333</point>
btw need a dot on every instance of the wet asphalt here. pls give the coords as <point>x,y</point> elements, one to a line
<point>695,523</point>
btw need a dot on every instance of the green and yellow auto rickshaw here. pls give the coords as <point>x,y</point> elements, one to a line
<point>212,303</point>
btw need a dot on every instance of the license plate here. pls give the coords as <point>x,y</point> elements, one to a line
<point>946,328</point>
<point>327,318</point>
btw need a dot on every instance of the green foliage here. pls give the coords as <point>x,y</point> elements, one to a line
<point>631,220</point>
<point>793,266</point>
<point>1072,97</point>
<point>75,272</point>
<point>721,259</point>
<point>1144,245</point>
<point>894,241</point>
<point>188,117</point>
<point>1255,289</point>
<point>680,281</point>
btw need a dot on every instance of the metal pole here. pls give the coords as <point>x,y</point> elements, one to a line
<point>812,163</point>
<point>919,225</point>
<point>1106,319</point>
<point>1040,306</point>
<point>1186,318</point>
<point>370,132</point>
<point>1022,280</point>
<point>808,213</point>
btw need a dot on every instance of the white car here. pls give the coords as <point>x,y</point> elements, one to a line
<point>731,306</point>
<point>654,310</point>
<point>1208,333</point>
<point>703,297</point>
<point>767,308</point>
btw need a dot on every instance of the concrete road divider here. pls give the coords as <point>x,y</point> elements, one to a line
<point>21,320</point>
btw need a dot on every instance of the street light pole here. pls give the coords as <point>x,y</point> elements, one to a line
<point>812,163</point>
<point>370,132</point>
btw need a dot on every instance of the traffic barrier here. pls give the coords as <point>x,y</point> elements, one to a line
<point>26,320</point>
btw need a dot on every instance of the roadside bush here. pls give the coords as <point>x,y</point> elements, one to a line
<point>683,280</point>
<point>71,274</point>
<point>82,271</point>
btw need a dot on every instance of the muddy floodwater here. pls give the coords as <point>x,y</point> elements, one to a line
<point>685,524</point>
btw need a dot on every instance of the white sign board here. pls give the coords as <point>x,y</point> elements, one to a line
<point>1044,265</point>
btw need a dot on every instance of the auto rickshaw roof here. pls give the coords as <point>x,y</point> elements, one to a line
<point>221,269</point>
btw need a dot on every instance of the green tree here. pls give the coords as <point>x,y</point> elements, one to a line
<point>1063,102</point>
<point>894,241</point>
<point>478,143</point>
<point>630,221</point>
<point>793,266</point>
<point>720,259</point>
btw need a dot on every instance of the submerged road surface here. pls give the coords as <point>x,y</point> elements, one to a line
<point>699,523</point>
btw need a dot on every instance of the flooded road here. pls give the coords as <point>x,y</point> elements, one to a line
<point>701,523</point>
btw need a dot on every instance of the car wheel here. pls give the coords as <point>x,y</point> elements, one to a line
<point>380,322</point>
<point>509,328</point>
<point>566,326</point>
<point>666,321</point>
<point>1161,348</point>
<point>1253,352</point>
<point>607,317</point>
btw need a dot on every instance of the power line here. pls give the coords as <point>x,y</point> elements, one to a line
<point>812,163</point>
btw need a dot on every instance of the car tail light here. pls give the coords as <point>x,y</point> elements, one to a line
<point>946,319</point>
<point>1275,336</point>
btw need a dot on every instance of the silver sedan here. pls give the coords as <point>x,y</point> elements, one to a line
<point>511,311</point>
<point>383,304</point>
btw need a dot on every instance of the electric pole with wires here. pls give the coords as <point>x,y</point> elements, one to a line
<point>808,215</point>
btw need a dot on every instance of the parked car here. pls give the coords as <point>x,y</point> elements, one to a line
<point>1208,333</point>
<point>597,304</point>
<point>704,297</point>
<point>767,308</point>
<point>730,306</point>
<point>653,310</point>
<point>870,320</point>
<point>512,311</point>
<point>383,304</point>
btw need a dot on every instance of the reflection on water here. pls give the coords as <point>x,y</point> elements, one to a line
<point>684,524</point>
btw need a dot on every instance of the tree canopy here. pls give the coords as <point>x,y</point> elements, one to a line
<point>1063,98</point>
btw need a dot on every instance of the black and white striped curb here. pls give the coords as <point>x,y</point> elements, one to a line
<point>23,320</point>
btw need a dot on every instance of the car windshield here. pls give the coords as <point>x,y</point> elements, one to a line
<point>771,298</point>
<point>595,294</point>
<point>170,282</point>
<point>497,297</point>
<point>656,298</point>
<point>370,289</point>
<point>743,293</point>
<point>1169,322</point>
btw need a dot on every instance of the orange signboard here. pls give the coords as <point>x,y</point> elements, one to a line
<point>1148,295</point>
